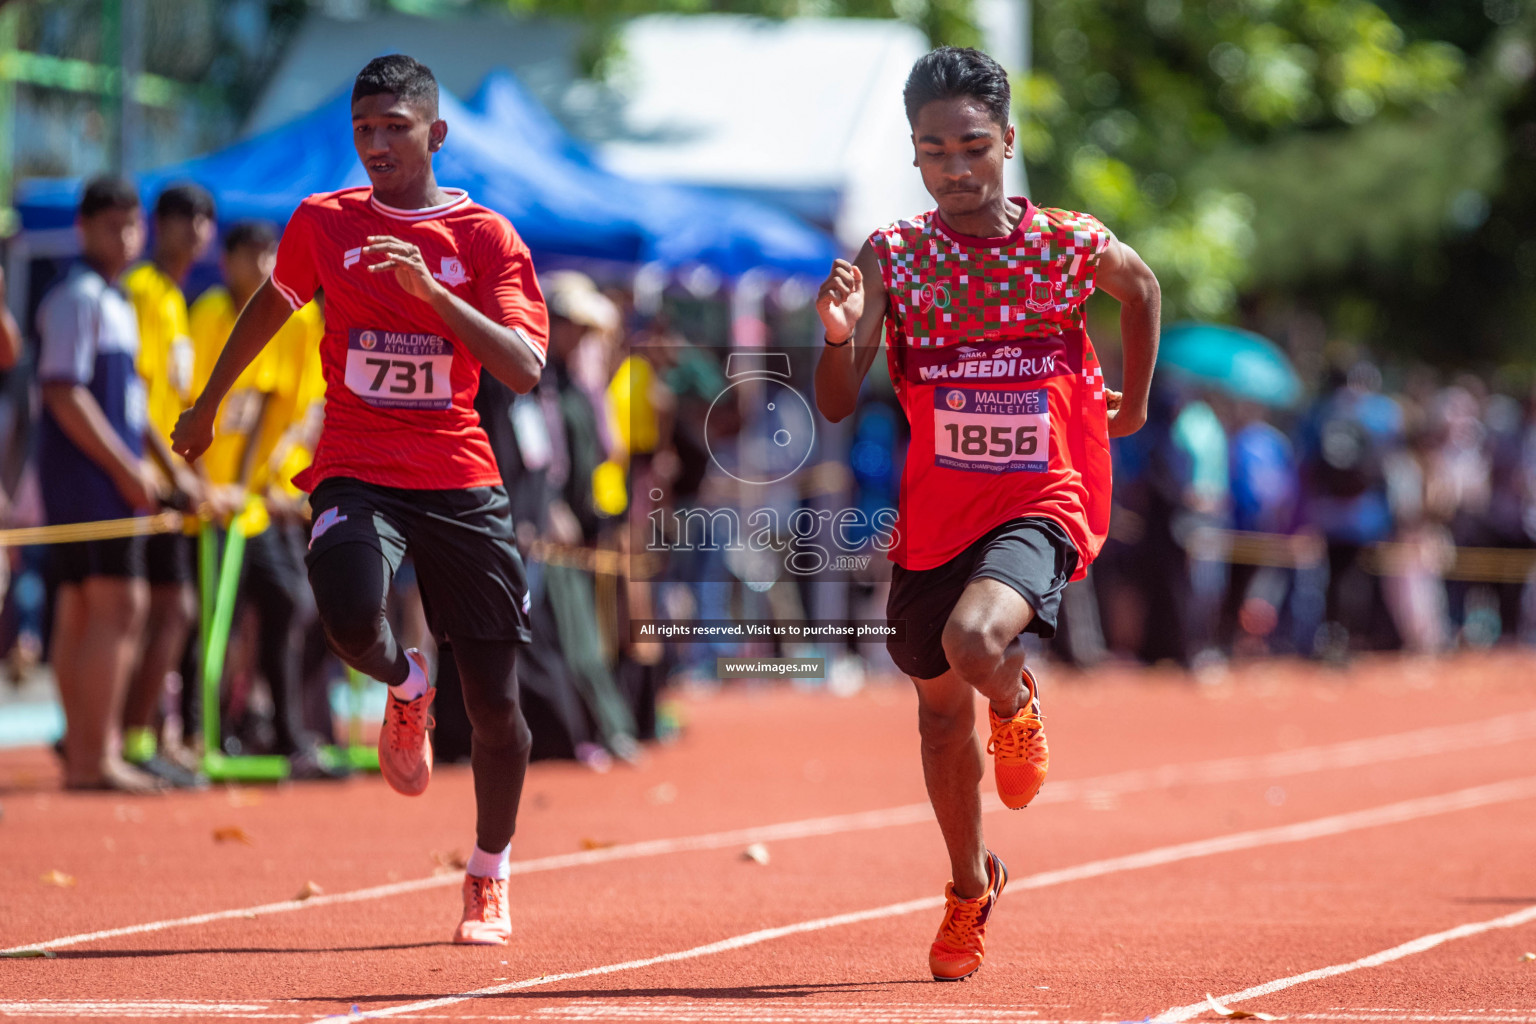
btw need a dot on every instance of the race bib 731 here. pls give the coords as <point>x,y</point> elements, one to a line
<point>400,369</point>
<point>991,431</point>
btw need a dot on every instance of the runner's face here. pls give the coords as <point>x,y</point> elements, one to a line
<point>960,150</point>
<point>112,239</point>
<point>395,140</point>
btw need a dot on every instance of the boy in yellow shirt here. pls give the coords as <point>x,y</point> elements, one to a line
<point>184,228</point>
<point>254,437</point>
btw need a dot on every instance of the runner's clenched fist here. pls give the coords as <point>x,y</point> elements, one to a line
<point>840,302</point>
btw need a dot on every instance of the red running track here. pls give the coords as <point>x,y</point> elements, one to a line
<point>1323,845</point>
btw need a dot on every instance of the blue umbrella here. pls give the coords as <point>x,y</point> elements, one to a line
<point>1236,362</point>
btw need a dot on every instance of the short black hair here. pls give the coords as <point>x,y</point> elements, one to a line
<point>954,71</point>
<point>250,234</point>
<point>398,75</point>
<point>108,192</point>
<point>185,200</point>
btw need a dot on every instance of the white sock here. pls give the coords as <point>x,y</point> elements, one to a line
<point>415,683</point>
<point>490,865</point>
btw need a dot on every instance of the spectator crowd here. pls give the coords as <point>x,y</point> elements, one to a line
<point>1366,520</point>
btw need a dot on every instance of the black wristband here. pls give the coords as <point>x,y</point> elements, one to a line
<point>836,344</point>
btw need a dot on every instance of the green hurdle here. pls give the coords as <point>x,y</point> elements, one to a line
<point>356,755</point>
<point>220,582</point>
<point>220,578</point>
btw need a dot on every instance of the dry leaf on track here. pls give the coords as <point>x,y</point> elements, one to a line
<point>232,834</point>
<point>449,863</point>
<point>310,889</point>
<point>59,878</point>
<point>597,844</point>
<point>1232,1014</point>
<point>757,852</point>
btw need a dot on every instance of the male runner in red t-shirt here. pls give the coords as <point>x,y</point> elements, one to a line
<point>421,288</point>
<point>1005,494</point>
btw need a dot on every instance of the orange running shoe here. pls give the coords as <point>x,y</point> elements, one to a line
<point>487,922</point>
<point>957,953</point>
<point>1020,757</point>
<point>405,750</point>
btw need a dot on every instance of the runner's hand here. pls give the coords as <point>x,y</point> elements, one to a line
<point>192,434</point>
<point>407,262</point>
<point>840,302</point>
<point>1123,420</point>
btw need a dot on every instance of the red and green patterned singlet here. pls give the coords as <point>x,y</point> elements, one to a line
<point>991,361</point>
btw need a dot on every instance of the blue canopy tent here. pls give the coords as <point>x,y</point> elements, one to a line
<point>686,224</point>
<point>513,158</point>
<point>266,176</point>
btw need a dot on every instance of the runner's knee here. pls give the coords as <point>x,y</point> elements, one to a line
<point>500,725</point>
<point>349,583</point>
<point>974,647</point>
<point>944,712</point>
<point>354,628</point>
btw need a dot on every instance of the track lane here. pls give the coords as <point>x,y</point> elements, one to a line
<point>392,948</point>
<point>1102,792</point>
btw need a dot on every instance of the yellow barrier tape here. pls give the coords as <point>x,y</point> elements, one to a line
<point>1388,558</point>
<point>105,529</point>
<point>599,561</point>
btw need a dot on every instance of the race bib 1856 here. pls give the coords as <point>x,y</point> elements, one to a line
<point>991,431</point>
<point>400,369</point>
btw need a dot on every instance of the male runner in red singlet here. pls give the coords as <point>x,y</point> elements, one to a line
<point>1005,496</point>
<point>422,287</point>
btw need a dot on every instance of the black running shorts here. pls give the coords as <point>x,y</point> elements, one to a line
<point>117,558</point>
<point>1032,555</point>
<point>471,576</point>
<point>170,558</point>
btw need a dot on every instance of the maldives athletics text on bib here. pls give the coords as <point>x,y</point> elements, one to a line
<point>400,369</point>
<point>1000,383</point>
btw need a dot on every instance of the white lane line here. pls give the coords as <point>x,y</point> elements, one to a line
<point>1335,824</point>
<point>121,1008</point>
<point>1348,754</point>
<point>1386,956</point>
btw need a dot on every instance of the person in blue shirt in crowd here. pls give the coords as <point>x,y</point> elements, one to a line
<point>1344,445</point>
<point>91,466</point>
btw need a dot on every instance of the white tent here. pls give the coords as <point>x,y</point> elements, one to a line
<point>807,111</point>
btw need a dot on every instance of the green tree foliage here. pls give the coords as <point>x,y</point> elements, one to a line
<point>1173,119</point>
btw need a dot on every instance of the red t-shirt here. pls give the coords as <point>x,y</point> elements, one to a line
<point>987,349</point>
<point>399,388</point>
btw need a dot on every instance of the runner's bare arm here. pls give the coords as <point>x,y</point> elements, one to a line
<point>1124,276</point>
<point>497,346</point>
<point>259,320</point>
<point>851,304</point>
<point>182,477</point>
